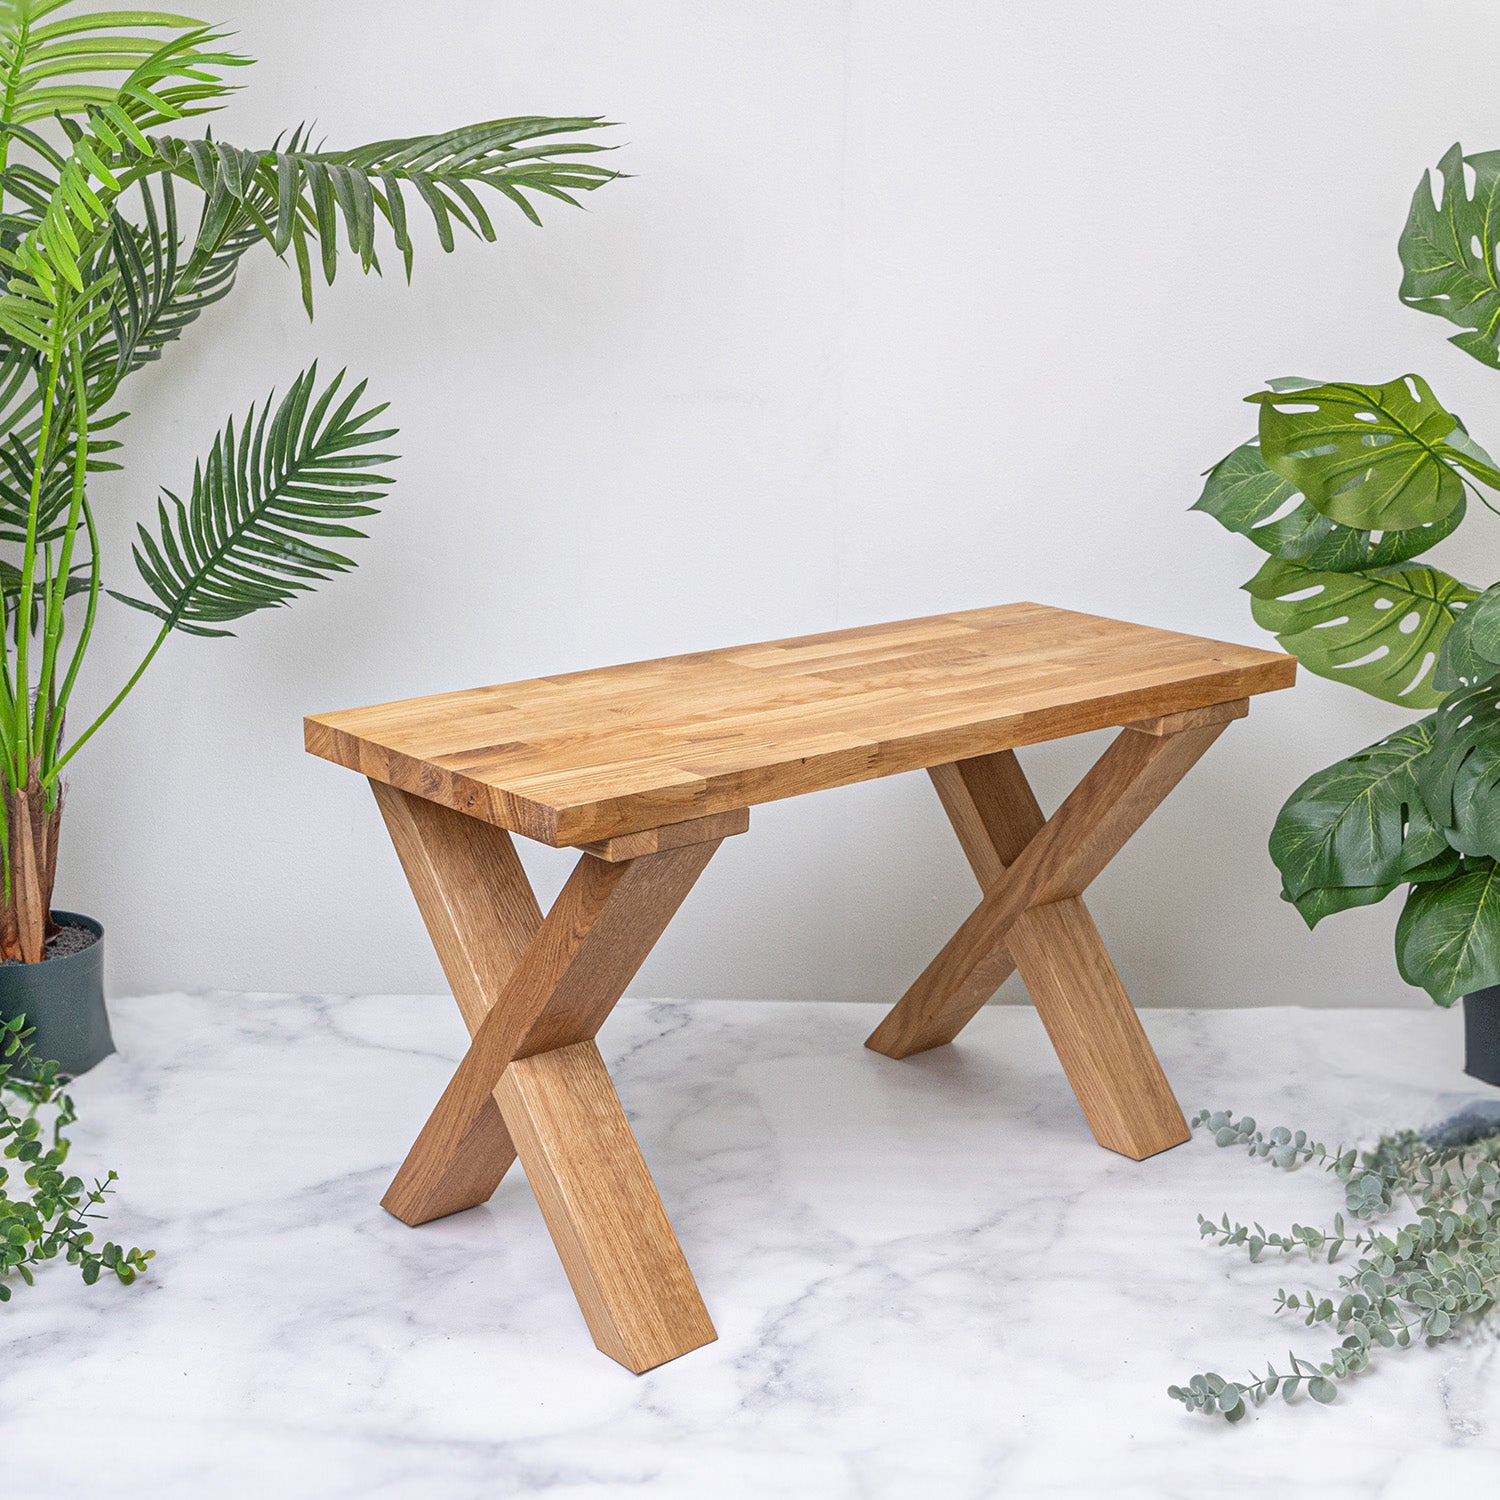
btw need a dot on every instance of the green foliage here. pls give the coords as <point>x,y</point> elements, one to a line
<point>1448,252</point>
<point>1345,487</point>
<point>101,269</point>
<point>1369,455</point>
<point>1360,826</point>
<point>1245,496</point>
<point>1378,629</point>
<point>53,67</point>
<point>1429,1277</point>
<point>1460,778</point>
<point>51,1216</point>
<point>244,541</point>
<point>1471,651</point>
<point>1448,934</point>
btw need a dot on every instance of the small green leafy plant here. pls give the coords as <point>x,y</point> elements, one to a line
<point>1344,488</point>
<point>1425,1278</point>
<point>103,266</point>
<point>51,1216</point>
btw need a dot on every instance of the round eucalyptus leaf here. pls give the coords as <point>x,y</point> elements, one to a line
<point>1379,630</point>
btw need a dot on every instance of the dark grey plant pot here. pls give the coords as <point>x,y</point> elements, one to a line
<point>1482,1035</point>
<point>63,998</point>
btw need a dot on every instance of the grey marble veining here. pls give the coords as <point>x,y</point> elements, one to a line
<point>927,1280</point>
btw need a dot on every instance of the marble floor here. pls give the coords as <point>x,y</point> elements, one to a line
<point>928,1282</point>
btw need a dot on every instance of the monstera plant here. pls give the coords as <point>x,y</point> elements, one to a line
<point>1345,488</point>
<point>115,235</point>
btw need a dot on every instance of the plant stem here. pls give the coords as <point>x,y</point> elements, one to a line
<point>22,719</point>
<point>54,728</point>
<point>55,770</point>
<point>52,627</point>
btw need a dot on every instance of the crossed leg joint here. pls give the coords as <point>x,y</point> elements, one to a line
<point>534,993</point>
<point>1033,872</point>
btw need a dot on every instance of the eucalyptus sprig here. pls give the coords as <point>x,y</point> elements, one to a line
<point>51,1217</point>
<point>1435,1274</point>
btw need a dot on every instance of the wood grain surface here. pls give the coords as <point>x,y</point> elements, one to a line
<point>1115,1074</point>
<point>595,755</point>
<point>612,1234</point>
<point>604,922</point>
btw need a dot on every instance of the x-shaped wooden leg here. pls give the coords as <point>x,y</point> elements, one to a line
<point>1033,874</point>
<point>534,993</point>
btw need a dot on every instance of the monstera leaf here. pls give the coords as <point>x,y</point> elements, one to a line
<point>1376,456</point>
<point>1448,936</point>
<point>1246,497</point>
<point>1448,248</point>
<point>1353,832</point>
<point>1471,653</point>
<point>1460,778</point>
<point>1379,630</point>
<point>1325,900</point>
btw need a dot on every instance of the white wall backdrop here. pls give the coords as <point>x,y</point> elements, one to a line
<point>906,308</point>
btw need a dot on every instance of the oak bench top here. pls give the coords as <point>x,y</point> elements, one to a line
<point>590,755</point>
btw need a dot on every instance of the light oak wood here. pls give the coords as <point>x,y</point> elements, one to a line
<point>1061,859</point>
<point>616,1244</point>
<point>1066,968</point>
<point>593,755</point>
<point>480,912</point>
<point>604,922</point>
<point>1193,718</point>
<point>474,897</point>
<point>672,836</point>
<point>647,767</point>
<point>1098,1037</point>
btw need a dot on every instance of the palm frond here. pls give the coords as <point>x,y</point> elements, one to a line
<point>300,198</point>
<point>263,502</point>
<point>57,59</point>
<point>293,197</point>
<point>10,590</point>
<point>17,466</point>
<point>152,299</point>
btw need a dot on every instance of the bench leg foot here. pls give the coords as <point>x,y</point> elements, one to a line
<point>602,1209</point>
<point>1120,1086</point>
<point>534,993</point>
<point>1032,918</point>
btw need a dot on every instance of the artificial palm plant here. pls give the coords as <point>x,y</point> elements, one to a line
<point>102,264</point>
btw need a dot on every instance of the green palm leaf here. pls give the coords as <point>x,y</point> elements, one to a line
<point>293,198</point>
<point>301,198</point>
<point>153,298</point>
<point>148,302</point>
<point>263,503</point>
<point>56,57</point>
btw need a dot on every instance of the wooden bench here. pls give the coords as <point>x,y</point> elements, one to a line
<point>647,767</point>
